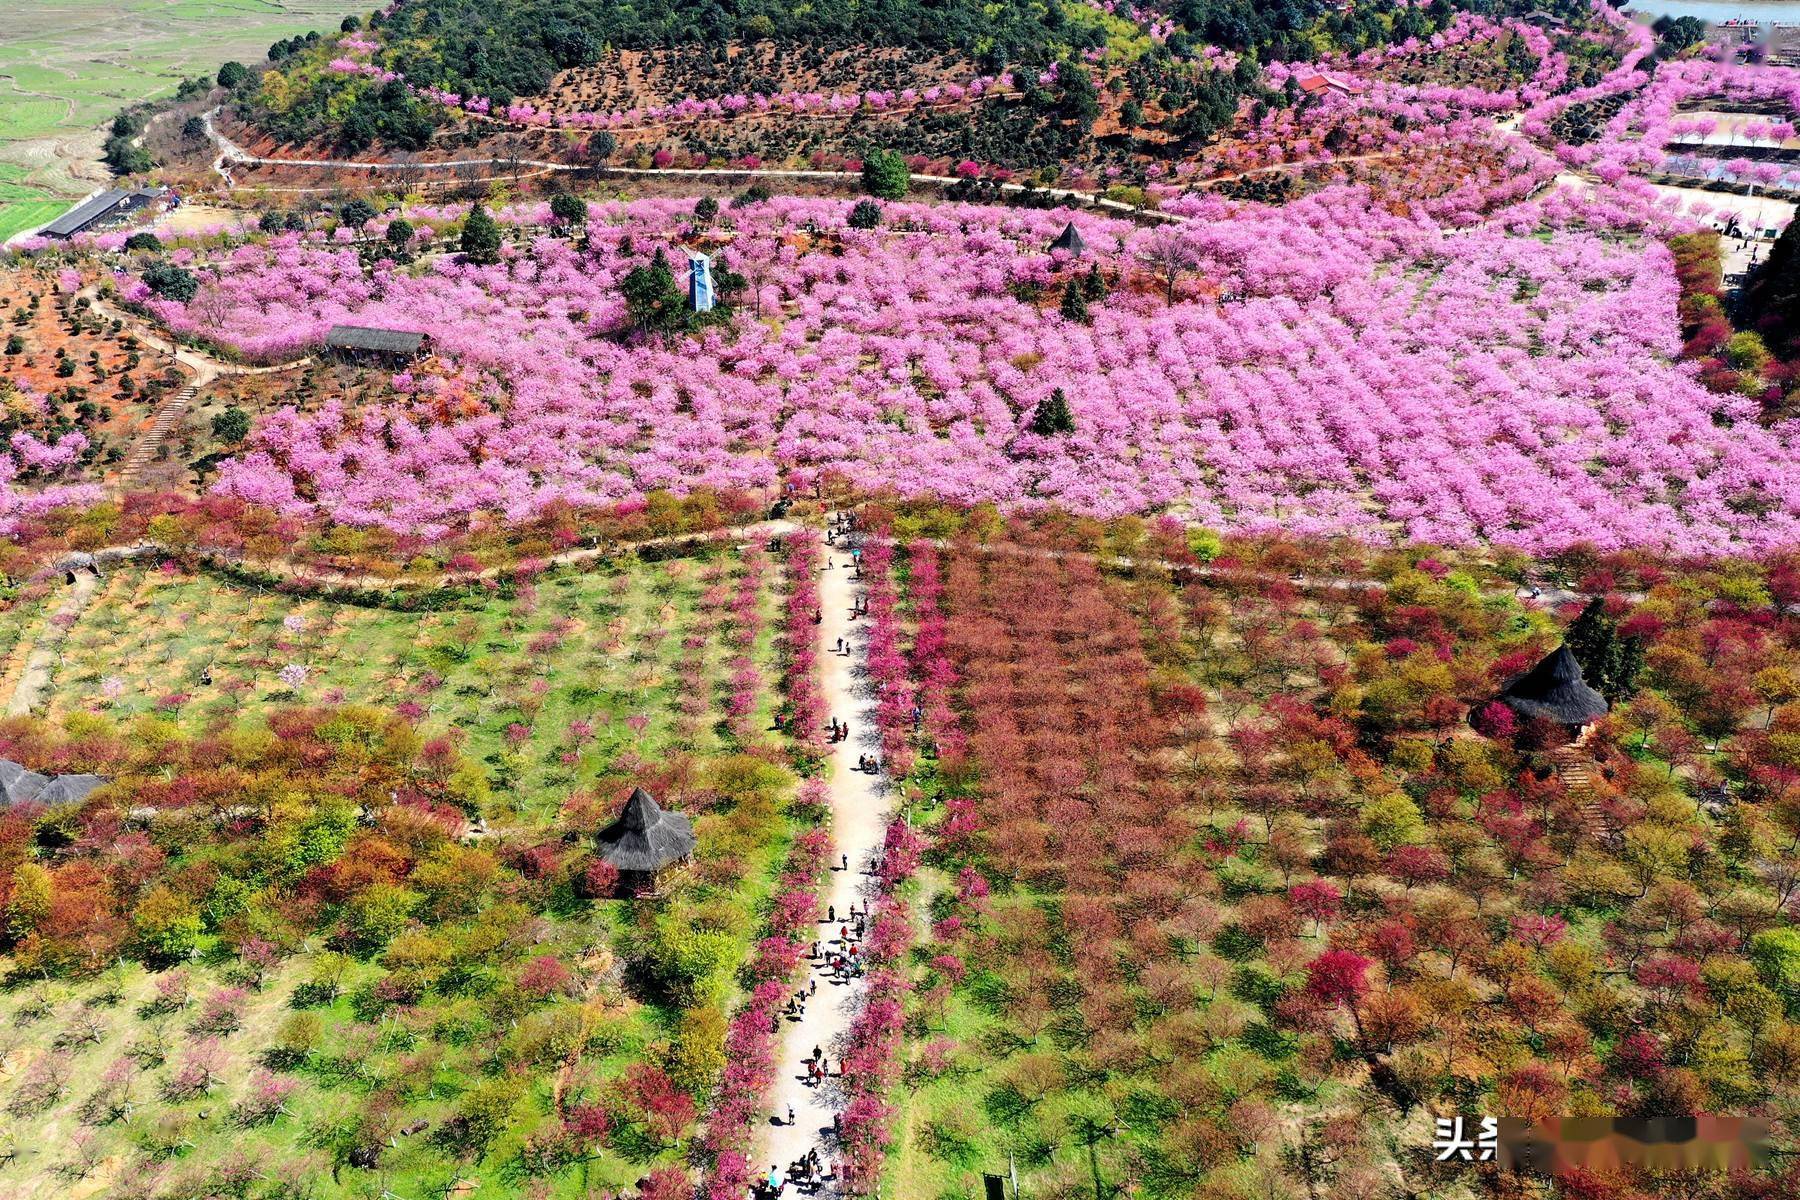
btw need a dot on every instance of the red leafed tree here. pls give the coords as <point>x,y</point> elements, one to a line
<point>1316,900</point>
<point>665,1110</point>
<point>667,1183</point>
<point>1340,977</point>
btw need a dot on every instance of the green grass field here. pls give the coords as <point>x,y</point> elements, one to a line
<point>641,651</point>
<point>25,212</point>
<point>603,645</point>
<point>66,66</point>
<point>23,207</point>
<point>69,64</point>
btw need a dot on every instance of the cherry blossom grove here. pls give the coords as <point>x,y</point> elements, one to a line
<point>1326,367</point>
<point>1637,137</point>
<point>48,461</point>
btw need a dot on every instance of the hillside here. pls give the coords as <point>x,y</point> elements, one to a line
<point>727,601</point>
<point>400,82</point>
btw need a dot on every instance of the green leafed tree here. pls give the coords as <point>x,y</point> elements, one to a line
<point>568,210</point>
<point>1776,953</point>
<point>357,213</point>
<point>481,237</point>
<point>600,149</point>
<point>232,425</point>
<point>1079,101</point>
<point>171,282</point>
<point>1074,304</point>
<point>1053,417</point>
<point>865,215</point>
<point>1772,300</point>
<point>166,925</point>
<point>653,301</point>
<point>884,175</point>
<point>1610,663</point>
<point>1093,285</point>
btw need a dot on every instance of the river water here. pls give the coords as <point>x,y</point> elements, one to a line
<point>1761,11</point>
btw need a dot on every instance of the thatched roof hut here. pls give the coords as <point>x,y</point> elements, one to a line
<point>646,838</point>
<point>363,343</point>
<point>1070,239</point>
<point>1555,691</point>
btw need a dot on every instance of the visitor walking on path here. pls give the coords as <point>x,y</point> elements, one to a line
<point>859,814</point>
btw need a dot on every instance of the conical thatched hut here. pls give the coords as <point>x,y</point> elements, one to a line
<point>1554,690</point>
<point>645,842</point>
<point>1070,239</point>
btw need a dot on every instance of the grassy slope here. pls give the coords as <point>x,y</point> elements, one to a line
<point>158,634</point>
<point>157,631</point>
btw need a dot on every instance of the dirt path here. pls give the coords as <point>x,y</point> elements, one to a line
<point>859,811</point>
<point>1273,168</point>
<point>230,152</point>
<point>44,655</point>
<point>204,366</point>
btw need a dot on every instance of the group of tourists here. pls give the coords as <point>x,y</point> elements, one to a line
<point>837,954</point>
<point>818,1069</point>
<point>807,1173</point>
<point>845,962</point>
<point>796,1005</point>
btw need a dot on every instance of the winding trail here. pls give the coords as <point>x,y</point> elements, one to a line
<point>230,152</point>
<point>859,811</point>
<point>44,655</point>
<point>206,367</point>
<point>202,369</point>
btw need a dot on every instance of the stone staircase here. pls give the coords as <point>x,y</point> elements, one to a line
<point>1577,771</point>
<point>143,453</point>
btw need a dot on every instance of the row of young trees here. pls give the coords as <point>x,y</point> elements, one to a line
<point>1215,851</point>
<point>331,862</point>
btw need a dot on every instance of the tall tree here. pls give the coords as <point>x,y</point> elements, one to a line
<point>481,237</point>
<point>1772,301</point>
<point>568,210</point>
<point>1611,663</point>
<point>1074,303</point>
<point>885,176</point>
<point>653,301</point>
<point>1052,416</point>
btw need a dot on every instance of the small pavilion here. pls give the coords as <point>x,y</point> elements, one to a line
<point>1070,239</point>
<point>645,843</point>
<point>1554,690</point>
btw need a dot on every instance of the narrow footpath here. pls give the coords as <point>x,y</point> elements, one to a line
<point>44,656</point>
<point>230,154</point>
<point>859,811</point>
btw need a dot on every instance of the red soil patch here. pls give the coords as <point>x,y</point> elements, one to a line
<point>50,332</point>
